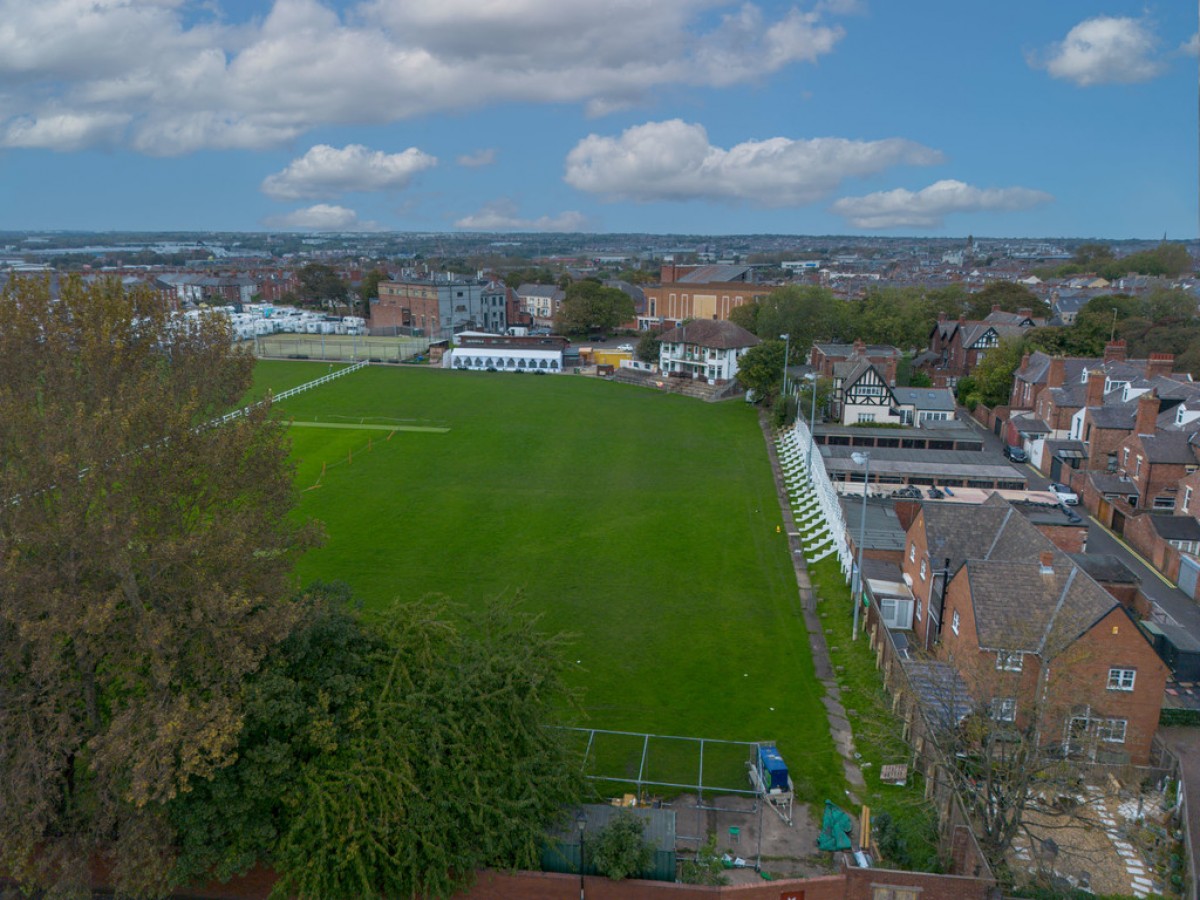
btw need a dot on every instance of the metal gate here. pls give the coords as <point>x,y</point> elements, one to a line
<point>1189,572</point>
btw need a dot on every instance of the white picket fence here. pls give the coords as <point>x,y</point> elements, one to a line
<point>291,392</point>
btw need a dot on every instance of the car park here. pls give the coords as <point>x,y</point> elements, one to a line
<point>1066,496</point>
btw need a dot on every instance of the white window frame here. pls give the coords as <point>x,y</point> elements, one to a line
<point>1010,661</point>
<point>1004,709</point>
<point>924,569</point>
<point>920,605</point>
<point>1187,498</point>
<point>1121,679</point>
<point>1111,731</point>
<point>954,622</point>
<point>912,552</point>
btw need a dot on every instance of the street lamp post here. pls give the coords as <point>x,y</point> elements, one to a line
<point>787,344</point>
<point>581,824</point>
<point>862,459</point>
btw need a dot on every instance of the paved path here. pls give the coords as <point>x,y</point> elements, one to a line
<point>1171,604</point>
<point>839,724</point>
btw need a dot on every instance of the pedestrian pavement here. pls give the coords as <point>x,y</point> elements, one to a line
<point>835,712</point>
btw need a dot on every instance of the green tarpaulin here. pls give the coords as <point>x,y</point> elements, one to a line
<point>835,829</point>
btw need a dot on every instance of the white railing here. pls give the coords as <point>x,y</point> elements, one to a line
<point>290,392</point>
<point>827,498</point>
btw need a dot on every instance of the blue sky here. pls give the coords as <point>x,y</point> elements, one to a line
<point>1076,118</point>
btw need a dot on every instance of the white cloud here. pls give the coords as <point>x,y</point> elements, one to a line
<point>1103,50</point>
<point>674,160</point>
<point>69,131</point>
<point>184,79</point>
<point>484,157</point>
<point>926,208</point>
<point>500,215</point>
<point>326,171</point>
<point>1191,46</point>
<point>321,217</point>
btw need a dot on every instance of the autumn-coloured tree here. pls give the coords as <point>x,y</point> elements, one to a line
<point>144,570</point>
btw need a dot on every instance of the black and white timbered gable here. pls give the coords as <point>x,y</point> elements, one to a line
<point>866,387</point>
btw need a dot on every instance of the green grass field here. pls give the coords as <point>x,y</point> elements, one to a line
<point>642,523</point>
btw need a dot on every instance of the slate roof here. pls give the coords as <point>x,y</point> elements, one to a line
<point>936,399</point>
<point>1120,415</point>
<point>831,348</point>
<point>715,333</point>
<point>973,331</point>
<point>1105,567</point>
<point>1169,447</point>
<point>1029,424</point>
<point>718,275</point>
<point>1072,395</point>
<point>943,695</point>
<point>1176,528</point>
<point>958,531</point>
<point>1113,484</point>
<point>1039,365</point>
<point>1021,605</point>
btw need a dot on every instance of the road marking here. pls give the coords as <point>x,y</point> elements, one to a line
<point>365,427</point>
<point>1112,534</point>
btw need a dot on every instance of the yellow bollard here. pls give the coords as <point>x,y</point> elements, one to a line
<point>778,529</point>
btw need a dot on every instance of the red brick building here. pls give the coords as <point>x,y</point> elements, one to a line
<point>1015,608</point>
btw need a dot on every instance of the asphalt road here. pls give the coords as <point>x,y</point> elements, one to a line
<point>1171,604</point>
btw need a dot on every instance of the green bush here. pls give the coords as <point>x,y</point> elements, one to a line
<point>621,852</point>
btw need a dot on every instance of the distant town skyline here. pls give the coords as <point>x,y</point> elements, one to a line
<point>856,117</point>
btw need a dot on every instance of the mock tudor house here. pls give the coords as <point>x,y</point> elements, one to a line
<point>1031,632</point>
<point>706,349</point>
<point>957,347</point>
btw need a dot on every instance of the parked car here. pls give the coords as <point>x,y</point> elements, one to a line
<point>1066,496</point>
<point>627,348</point>
<point>1016,454</point>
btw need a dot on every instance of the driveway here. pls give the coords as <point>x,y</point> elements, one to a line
<point>1172,604</point>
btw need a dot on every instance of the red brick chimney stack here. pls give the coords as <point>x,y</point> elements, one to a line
<point>1057,373</point>
<point>941,317</point>
<point>1095,388</point>
<point>1147,412</point>
<point>1025,312</point>
<point>1114,351</point>
<point>1160,365</point>
<point>860,346</point>
<point>995,307</point>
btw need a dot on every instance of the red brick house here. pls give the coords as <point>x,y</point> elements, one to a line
<point>1031,630</point>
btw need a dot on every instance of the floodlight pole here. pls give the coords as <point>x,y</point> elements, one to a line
<point>862,459</point>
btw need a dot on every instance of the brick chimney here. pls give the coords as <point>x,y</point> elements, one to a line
<point>1114,351</point>
<point>995,307</point>
<point>1057,373</point>
<point>941,317</point>
<point>1095,388</point>
<point>1024,361</point>
<point>1046,561</point>
<point>962,318</point>
<point>1160,365</point>
<point>1026,312</point>
<point>1147,412</point>
<point>860,346</point>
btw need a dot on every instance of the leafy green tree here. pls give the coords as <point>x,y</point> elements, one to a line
<point>707,867</point>
<point>806,313</point>
<point>920,380</point>
<point>745,316</point>
<point>589,305</point>
<point>369,290</point>
<point>450,765</point>
<point>144,572</point>
<point>993,377</point>
<point>648,345</point>
<point>621,850</point>
<point>760,369</point>
<point>310,693</point>
<point>1009,296</point>
<point>320,285</point>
